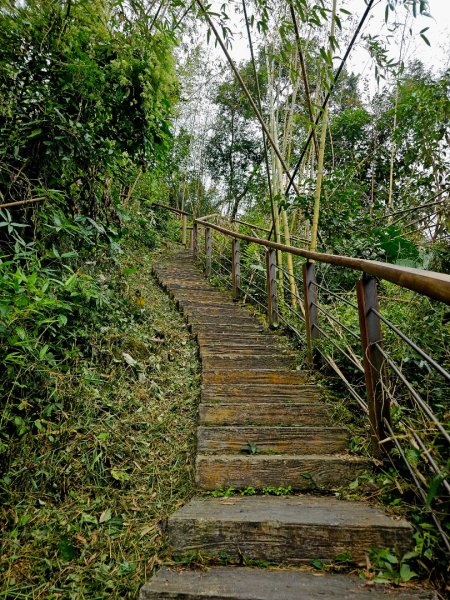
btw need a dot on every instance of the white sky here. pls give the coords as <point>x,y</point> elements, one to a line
<point>436,57</point>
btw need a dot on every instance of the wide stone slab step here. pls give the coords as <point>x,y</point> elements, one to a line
<point>239,393</point>
<point>258,376</point>
<point>278,440</point>
<point>248,363</point>
<point>283,530</point>
<point>242,345</point>
<point>214,327</point>
<point>240,350</point>
<point>244,583</point>
<point>264,413</point>
<point>310,472</point>
<point>238,338</point>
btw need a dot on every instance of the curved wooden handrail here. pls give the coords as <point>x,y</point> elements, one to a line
<point>429,283</point>
<point>175,210</point>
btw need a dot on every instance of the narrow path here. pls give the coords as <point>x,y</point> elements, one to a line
<point>263,425</point>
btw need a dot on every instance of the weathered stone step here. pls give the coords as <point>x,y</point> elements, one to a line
<point>174,288</point>
<point>222,311</point>
<point>241,393</point>
<point>260,376</point>
<point>241,343</point>
<point>283,530</point>
<point>213,330</point>
<point>225,364</point>
<point>303,440</point>
<point>233,337</point>
<point>264,413</point>
<point>245,583</point>
<point>227,349</point>
<point>311,472</point>
<point>223,320</point>
<point>214,303</point>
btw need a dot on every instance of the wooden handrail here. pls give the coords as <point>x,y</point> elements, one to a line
<point>258,228</point>
<point>175,210</point>
<point>429,283</point>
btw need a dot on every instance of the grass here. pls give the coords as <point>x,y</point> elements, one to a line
<point>83,516</point>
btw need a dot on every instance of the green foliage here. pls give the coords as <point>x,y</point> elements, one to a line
<point>389,568</point>
<point>83,493</point>
<point>83,98</point>
<point>250,491</point>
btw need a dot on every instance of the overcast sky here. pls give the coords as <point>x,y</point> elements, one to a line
<point>436,57</point>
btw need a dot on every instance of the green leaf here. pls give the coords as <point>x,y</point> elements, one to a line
<point>406,573</point>
<point>87,518</point>
<point>318,564</point>
<point>67,550</point>
<point>43,351</point>
<point>119,475</point>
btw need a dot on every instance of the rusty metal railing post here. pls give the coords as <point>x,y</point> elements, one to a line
<point>311,312</point>
<point>208,251</point>
<point>271,280</point>
<point>195,241</point>
<point>183,229</point>
<point>374,367</point>
<point>236,267</point>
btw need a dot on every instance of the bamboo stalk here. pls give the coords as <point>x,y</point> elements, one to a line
<point>22,202</point>
<point>320,162</point>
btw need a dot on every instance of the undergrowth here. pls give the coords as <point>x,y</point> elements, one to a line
<point>91,474</point>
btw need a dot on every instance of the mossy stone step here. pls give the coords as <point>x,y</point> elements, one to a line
<point>242,393</point>
<point>250,376</point>
<point>244,583</point>
<point>291,440</point>
<point>264,413</point>
<point>245,352</point>
<point>283,530</point>
<point>308,472</point>
<point>226,363</point>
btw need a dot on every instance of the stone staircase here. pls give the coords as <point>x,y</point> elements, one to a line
<point>263,424</point>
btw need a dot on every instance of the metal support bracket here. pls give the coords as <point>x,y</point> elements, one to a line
<point>271,276</point>
<point>374,365</point>
<point>208,251</point>
<point>195,241</point>
<point>311,312</point>
<point>236,267</point>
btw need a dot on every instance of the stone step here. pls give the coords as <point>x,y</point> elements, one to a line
<point>259,376</point>
<point>278,440</point>
<point>228,312</point>
<point>242,349</point>
<point>213,297</point>
<point>263,413</point>
<point>236,337</point>
<point>241,393</point>
<point>214,363</point>
<point>174,288</point>
<point>241,343</point>
<point>213,307</point>
<point>311,472</point>
<point>223,320</point>
<point>245,583</point>
<point>283,530</point>
<point>212,330</point>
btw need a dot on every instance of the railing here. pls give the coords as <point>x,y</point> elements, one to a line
<point>344,329</point>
